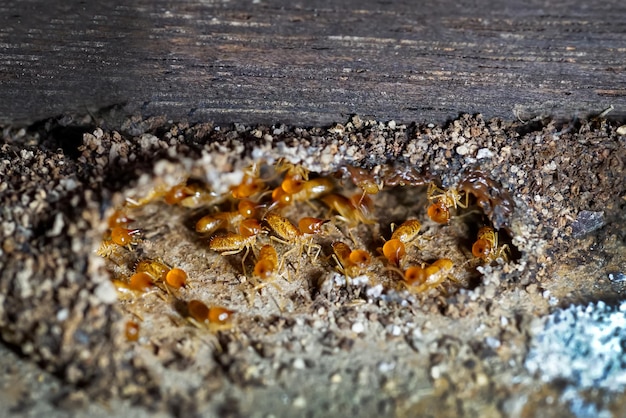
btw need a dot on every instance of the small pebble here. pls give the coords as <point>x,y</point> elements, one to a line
<point>299,402</point>
<point>617,277</point>
<point>358,327</point>
<point>299,364</point>
<point>462,150</point>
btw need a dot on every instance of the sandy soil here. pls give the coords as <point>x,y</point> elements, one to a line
<point>515,337</point>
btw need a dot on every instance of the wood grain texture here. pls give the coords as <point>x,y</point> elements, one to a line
<point>309,63</point>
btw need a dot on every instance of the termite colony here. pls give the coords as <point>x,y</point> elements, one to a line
<point>282,221</point>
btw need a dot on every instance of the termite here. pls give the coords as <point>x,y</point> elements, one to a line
<point>443,201</point>
<point>216,318</point>
<point>347,211</point>
<point>124,237</point>
<point>395,249</point>
<point>486,246</point>
<point>232,243</point>
<point>419,279</point>
<point>351,262</point>
<point>250,185</point>
<point>208,224</point>
<point>288,233</point>
<point>407,231</point>
<point>162,273</point>
<point>363,179</point>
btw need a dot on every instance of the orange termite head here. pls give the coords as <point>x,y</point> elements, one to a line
<point>248,187</point>
<point>250,227</point>
<point>247,208</point>
<point>360,258</point>
<point>309,225</point>
<point>292,184</point>
<point>264,269</point>
<point>220,315</point>
<point>122,236</point>
<point>268,261</point>
<point>176,278</point>
<point>394,250</point>
<point>198,310</point>
<point>140,282</point>
<point>439,212</point>
<point>482,249</point>
<point>281,198</point>
<point>415,276</point>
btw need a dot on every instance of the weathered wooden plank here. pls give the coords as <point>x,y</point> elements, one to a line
<point>312,62</point>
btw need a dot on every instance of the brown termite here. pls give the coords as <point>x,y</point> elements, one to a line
<point>208,224</point>
<point>156,269</point>
<point>288,233</point>
<point>177,194</point>
<point>363,179</point>
<point>407,231</point>
<point>154,194</point>
<point>136,284</point>
<point>199,196</point>
<point>314,189</point>
<point>232,243</point>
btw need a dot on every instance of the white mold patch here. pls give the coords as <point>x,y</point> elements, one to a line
<point>584,345</point>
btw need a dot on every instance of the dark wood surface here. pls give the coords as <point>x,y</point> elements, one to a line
<point>310,63</point>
